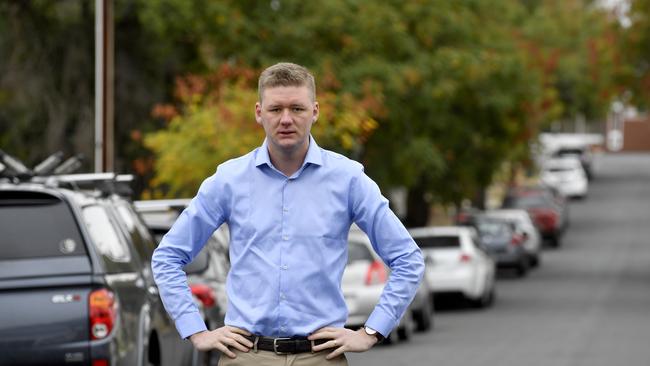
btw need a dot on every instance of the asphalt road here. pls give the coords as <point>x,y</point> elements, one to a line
<point>587,305</point>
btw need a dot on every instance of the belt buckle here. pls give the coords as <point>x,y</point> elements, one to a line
<point>275,346</point>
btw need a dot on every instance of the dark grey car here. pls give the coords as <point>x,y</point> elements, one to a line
<point>75,282</point>
<point>207,273</point>
<point>502,241</point>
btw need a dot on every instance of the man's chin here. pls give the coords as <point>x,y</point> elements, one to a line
<point>288,144</point>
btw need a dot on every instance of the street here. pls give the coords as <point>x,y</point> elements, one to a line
<point>588,304</point>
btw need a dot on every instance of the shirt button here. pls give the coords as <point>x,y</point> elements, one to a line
<point>285,237</point>
<point>284,209</point>
<point>285,267</point>
<point>282,296</point>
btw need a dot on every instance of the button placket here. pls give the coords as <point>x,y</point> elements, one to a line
<point>284,242</point>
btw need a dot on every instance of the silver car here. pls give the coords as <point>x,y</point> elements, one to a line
<point>532,240</point>
<point>363,282</point>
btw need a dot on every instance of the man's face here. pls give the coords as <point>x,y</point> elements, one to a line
<point>287,113</point>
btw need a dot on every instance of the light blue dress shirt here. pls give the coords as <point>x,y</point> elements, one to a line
<point>288,245</point>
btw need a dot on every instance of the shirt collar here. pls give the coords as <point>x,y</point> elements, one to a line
<point>313,154</point>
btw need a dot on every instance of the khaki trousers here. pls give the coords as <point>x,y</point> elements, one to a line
<point>266,358</point>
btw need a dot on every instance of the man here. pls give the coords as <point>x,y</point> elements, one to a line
<point>289,205</point>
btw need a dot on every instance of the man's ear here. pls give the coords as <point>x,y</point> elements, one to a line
<point>316,112</point>
<point>258,112</point>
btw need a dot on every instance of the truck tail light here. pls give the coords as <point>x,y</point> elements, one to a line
<point>103,310</point>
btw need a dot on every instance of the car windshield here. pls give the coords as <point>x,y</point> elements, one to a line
<point>569,152</point>
<point>37,225</point>
<point>441,241</point>
<point>492,228</point>
<point>526,201</point>
<point>558,169</point>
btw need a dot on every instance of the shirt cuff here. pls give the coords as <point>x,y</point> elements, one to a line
<point>381,322</point>
<point>190,323</point>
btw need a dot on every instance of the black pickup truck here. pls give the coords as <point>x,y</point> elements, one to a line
<point>75,281</point>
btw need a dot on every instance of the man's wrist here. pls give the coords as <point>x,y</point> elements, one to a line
<point>373,333</point>
<point>190,338</point>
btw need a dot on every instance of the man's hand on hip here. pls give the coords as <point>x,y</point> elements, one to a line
<point>221,339</point>
<point>343,340</point>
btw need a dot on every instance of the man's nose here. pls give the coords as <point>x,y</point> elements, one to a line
<point>285,117</point>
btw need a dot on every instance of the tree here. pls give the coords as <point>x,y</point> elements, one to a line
<point>213,121</point>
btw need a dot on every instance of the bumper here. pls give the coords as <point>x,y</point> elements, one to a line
<point>453,280</point>
<point>574,189</point>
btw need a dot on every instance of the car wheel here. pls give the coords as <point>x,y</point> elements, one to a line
<point>392,338</point>
<point>486,299</point>
<point>535,260</point>
<point>522,267</point>
<point>404,332</point>
<point>152,353</point>
<point>555,241</point>
<point>423,317</point>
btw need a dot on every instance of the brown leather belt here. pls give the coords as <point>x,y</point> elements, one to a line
<point>283,346</point>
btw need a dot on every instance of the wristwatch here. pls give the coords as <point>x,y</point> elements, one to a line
<point>374,333</point>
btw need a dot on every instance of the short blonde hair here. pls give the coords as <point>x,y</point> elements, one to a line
<point>286,74</point>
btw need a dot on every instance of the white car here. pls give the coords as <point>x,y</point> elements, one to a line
<point>363,282</point>
<point>456,264</point>
<point>532,239</point>
<point>566,175</point>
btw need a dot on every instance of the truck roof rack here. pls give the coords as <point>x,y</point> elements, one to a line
<point>52,172</point>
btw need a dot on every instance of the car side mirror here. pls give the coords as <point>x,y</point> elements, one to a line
<point>199,264</point>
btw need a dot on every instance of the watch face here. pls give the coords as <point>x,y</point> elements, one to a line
<point>370,331</point>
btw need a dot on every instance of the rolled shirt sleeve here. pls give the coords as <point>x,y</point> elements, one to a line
<point>178,247</point>
<point>394,244</point>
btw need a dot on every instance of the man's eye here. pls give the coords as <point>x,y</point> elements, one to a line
<point>298,109</point>
<point>274,110</point>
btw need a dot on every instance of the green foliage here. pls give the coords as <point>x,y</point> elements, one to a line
<point>636,43</point>
<point>214,122</point>
<point>434,95</point>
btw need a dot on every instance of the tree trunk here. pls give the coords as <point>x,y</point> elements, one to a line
<point>417,210</point>
<point>479,198</point>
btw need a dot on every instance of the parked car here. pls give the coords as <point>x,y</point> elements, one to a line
<point>502,241</point>
<point>546,207</point>
<point>75,273</point>
<point>208,271</point>
<point>566,175</point>
<point>456,263</point>
<point>363,282</point>
<point>524,224</point>
<point>582,153</point>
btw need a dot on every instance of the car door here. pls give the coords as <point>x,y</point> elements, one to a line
<point>173,350</point>
<point>484,262</point>
<point>121,275</point>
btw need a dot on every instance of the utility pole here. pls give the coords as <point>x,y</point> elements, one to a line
<point>104,77</point>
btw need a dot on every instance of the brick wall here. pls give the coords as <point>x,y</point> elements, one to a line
<point>636,135</point>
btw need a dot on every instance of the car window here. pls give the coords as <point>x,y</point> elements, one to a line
<point>106,238</point>
<point>492,228</point>
<point>140,236</point>
<point>358,251</point>
<point>219,259</point>
<point>442,241</point>
<point>36,225</point>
